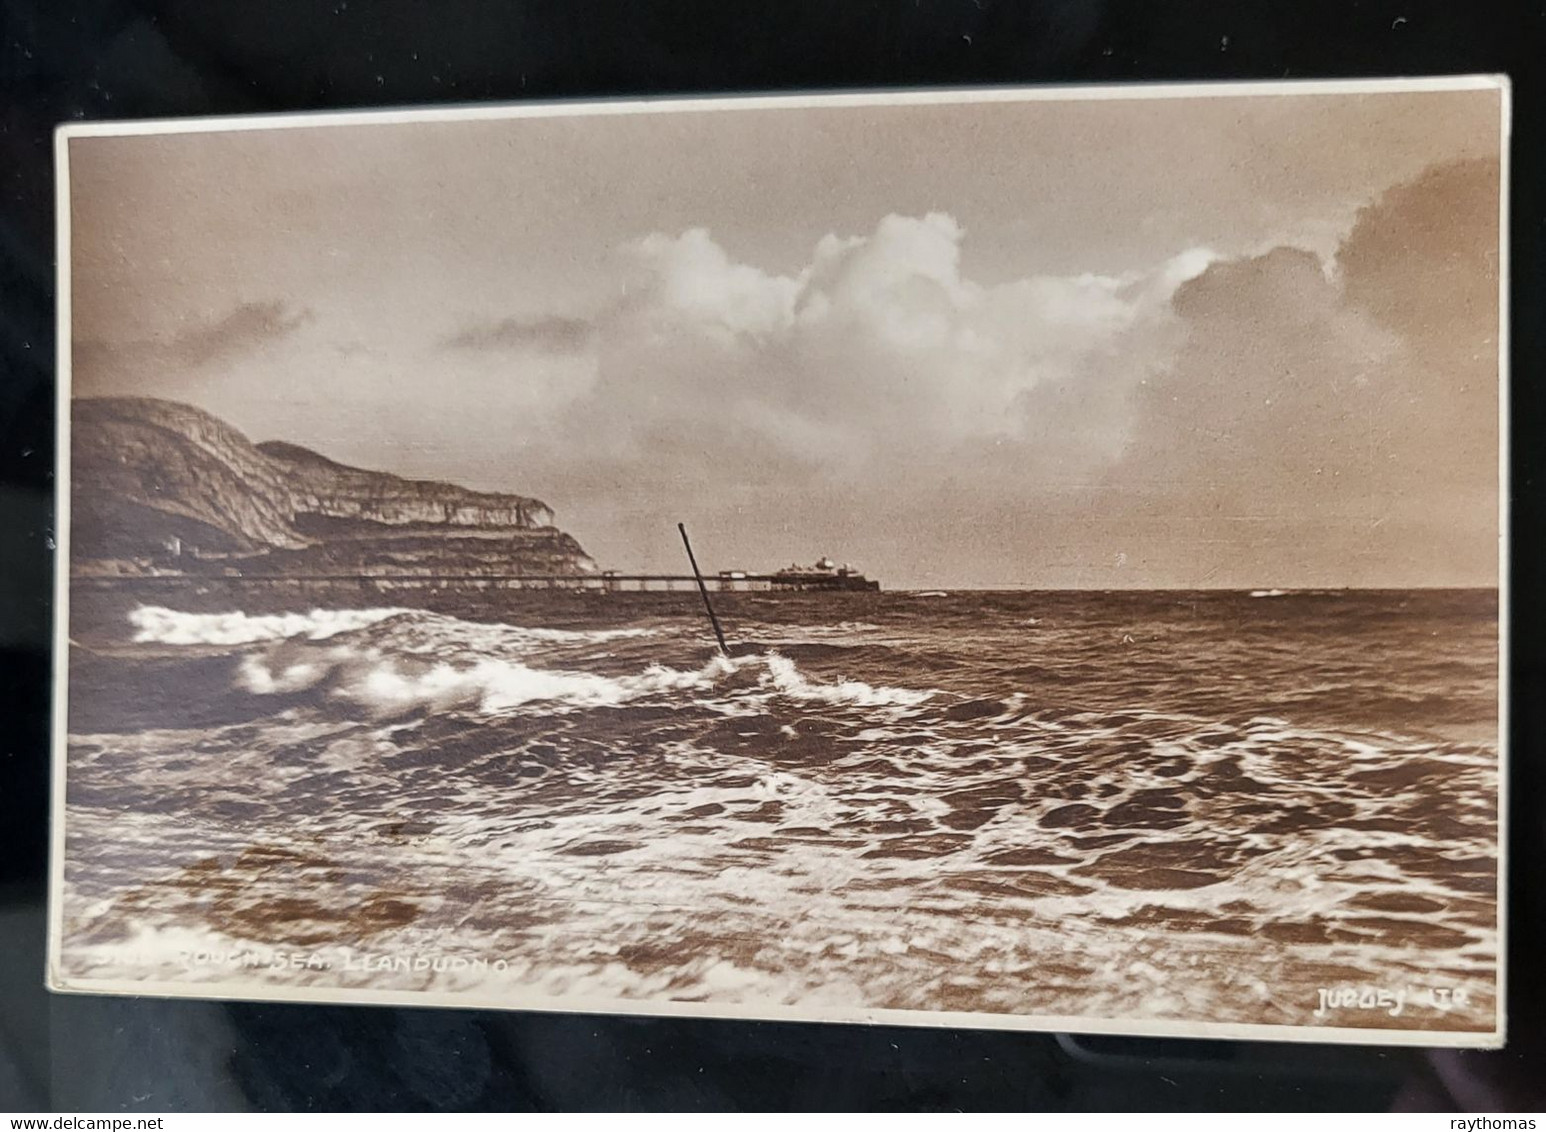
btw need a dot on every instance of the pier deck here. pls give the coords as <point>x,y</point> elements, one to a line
<point>607,583</point>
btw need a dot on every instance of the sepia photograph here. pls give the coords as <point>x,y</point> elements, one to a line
<point>1010,558</point>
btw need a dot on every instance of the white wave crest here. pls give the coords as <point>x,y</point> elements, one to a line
<point>503,685</point>
<point>493,685</point>
<point>841,629</point>
<point>263,680</point>
<point>157,624</point>
<point>789,680</point>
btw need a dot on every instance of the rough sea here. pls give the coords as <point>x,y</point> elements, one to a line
<point>1211,807</point>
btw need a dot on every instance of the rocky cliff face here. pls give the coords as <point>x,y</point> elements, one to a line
<point>158,485</point>
<point>144,472</point>
<point>318,486</point>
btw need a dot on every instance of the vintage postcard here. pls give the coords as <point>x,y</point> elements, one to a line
<point>1004,558</point>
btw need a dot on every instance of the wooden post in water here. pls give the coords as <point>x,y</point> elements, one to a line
<point>719,634</point>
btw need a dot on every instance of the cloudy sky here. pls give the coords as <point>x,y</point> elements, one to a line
<point>1221,341</point>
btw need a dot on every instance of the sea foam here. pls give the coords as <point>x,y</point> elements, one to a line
<point>502,685</point>
<point>497,685</point>
<point>154,624</point>
<point>159,625</point>
<point>789,680</point>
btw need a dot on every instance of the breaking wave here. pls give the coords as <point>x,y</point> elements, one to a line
<point>429,661</point>
<point>154,624</point>
<point>909,804</point>
<point>498,686</point>
<point>495,686</point>
<point>789,680</point>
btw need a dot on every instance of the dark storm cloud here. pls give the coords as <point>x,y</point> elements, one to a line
<point>100,366</point>
<point>249,327</point>
<point>1424,263</point>
<point>553,334</point>
<point>1357,407</point>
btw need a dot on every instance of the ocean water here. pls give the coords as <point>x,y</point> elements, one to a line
<point>1213,807</point>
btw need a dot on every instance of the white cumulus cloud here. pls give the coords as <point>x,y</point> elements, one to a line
<point>878,338</point>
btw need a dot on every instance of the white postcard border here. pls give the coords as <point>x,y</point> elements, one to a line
<point>57,981</point>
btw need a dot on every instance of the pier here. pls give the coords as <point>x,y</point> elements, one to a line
<point>737,581</point>
<point>733,581</point>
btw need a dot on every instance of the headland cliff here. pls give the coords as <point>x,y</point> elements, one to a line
<point>159,487</point>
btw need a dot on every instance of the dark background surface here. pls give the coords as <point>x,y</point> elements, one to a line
<point>102,59</point>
